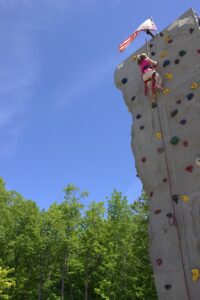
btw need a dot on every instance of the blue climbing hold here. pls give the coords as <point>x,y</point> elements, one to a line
<point>124,80</point>
<point>190,96</point>
<point>183,121</point>
<point>166,63</point>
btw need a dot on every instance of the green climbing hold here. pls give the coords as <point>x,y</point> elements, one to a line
<point>174,140</point>
<point>182,53</point>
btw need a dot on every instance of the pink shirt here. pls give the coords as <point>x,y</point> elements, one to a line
<point>145,66</point>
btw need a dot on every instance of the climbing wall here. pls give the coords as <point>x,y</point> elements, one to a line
<point>166,146</point>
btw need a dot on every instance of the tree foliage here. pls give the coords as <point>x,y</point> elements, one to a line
<point>72,252</point>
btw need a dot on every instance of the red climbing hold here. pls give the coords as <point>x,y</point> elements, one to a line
<point>189,169</point>
<point>165,180</point>
<point>198,51</point>
<point>178,101</point>
<point>151,194</point>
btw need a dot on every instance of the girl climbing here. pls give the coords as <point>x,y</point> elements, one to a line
<point>151,78</point>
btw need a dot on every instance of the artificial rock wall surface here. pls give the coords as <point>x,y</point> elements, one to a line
<point>166,146</point>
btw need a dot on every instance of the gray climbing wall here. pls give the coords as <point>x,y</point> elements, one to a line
<point>166,146</point>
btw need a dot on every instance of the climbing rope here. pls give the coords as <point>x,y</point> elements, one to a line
<point>172,220</point>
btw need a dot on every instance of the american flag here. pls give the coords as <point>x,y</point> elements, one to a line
<point>148,24</point>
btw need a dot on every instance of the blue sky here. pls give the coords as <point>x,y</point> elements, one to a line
<point>61,118</point>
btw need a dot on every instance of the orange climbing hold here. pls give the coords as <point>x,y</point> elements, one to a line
<point>163,54</point>
<point>194,86</point>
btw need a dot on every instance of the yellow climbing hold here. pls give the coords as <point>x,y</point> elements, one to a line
<point>134,57</point>
<point>185,198</point>
<point>163,54</point>
<point>195,274</point>
<point>159,135</point>
<point>167,38</point>
<point>194,86</point>
<point>168,76</point>
<point>166,91</point>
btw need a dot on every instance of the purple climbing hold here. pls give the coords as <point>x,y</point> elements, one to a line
<point>185,143</point>
<point>183,121</point>
<point>165,180</point>
<point>166,63</point>
<point>159,261</point>
<point>138,116</point>
<point>160,150</point>
<point>177,61</point>
<point>153,53</point>
<point>173,113</point>
<point>124,80</point>
<point>190,96</point>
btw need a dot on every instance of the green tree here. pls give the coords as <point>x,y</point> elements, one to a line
<point>6,283</point>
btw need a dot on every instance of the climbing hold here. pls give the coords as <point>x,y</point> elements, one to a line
<point>158,135</point>
<point>168,39</point>
<point>165,180</point>
<point>173,113</point>
<point>160,150</point>
<point>195,274</point>
<point>159,261</point>
<point>185,143</point>
<point>182,53</point>
<point>197,161</point>
<point>194,86</point>
<point>191,30</point>
<point>169,215</point>
<point>189,168</point>
<point>153,53</point>
<point>138,116</point>
<point>174,140</point>
<point>190,96</point>
<point>141,127</point>
<point>151,45</point>
<point>175,198</point>
<point>161,34</point>
<point>168,76</point>
<point>166,91</point>
<point>198,51</point>
<point>178,101</point>
<point>133,98</point>
<point>183,121</point>
<point>168,286</point>
<point>163,54</point>
<point>166,63</point>
<point>157,211</point>
<point>151,194</point>
<point>185,198</point>
<point>124,80</point>
<point>177,61</point>
<point>143,159</point>
<point>134,57</point>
